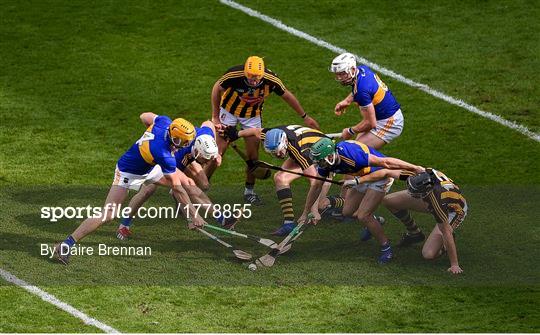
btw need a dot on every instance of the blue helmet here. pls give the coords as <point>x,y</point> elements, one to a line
<point>275,143</point>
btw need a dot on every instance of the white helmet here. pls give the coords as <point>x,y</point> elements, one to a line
<point>205,147</point>
<point>345,63</point>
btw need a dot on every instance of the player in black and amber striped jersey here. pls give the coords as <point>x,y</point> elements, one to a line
<point>238,98</point>
<point>291,143</point>
<point>429,192</point>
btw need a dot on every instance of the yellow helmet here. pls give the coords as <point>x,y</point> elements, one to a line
<point>254,67</point>
<point>181,132</point>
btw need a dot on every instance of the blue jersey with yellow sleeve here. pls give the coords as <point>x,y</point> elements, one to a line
<point>369,88</point>
<point>154,147</point>
<point>353,159</point>
<point>183,156</point>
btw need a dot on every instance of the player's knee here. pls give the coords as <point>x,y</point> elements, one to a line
<point>363,216</point>
<point>204,185</point>
<point>280,178</point>
<point>429,253</point>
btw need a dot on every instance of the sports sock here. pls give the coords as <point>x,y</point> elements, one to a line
<point>285,200</point>
<point>405,217</point>
<point>126,222</point>
<point>385,247</point>
<point>336,201</point>
<point>249,188</point>
<point>70,241</point>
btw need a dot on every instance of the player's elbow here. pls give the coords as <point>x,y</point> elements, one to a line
<point>147,118</point>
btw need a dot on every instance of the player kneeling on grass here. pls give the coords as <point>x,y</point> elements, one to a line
<point>428,192</point>
<point>133,169</point>
<point>355,158</point>
<point>291,143</point>
<point>189,161</point>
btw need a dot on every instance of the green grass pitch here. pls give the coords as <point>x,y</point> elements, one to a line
<point>75,75</point>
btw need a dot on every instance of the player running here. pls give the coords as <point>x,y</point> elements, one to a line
<point>356,159</point>
<point>291,143</point>
<point>189,160</point>
<point>238,98</point>
<point>133,169</point>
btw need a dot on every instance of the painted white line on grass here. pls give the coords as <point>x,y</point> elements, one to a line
<point>423,87</point>
<point>53,300</point>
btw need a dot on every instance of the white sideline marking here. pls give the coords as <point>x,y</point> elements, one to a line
<point>423,87</point>
<point>53,300</point>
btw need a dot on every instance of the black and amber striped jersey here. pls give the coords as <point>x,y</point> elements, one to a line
<point>242,100</point>
<point>445,201</point>
<point>300,141</point>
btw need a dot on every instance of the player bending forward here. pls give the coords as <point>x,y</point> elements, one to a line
<point>190,161</point>
<point>291,143</point>
<point>427,192</point>
<point>356,159</point>
<point>155,147</point>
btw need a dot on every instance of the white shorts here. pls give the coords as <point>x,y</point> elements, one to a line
<point>383,185</point>
<point>135,181</point>
<point>229,119</point>
<point>390,128</point>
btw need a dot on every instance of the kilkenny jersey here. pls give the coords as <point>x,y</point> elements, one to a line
<point>300,141</point>
<point>154,147</point>
<point>444,199</point>
<point>242,100</point>
<point>184,156</point>
<point>369,88</point>
<point>354,159</point>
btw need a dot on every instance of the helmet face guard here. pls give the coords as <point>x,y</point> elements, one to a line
<point>275,143</point>
<point>205,148</point>
<point>181,133</point>
<point>344,68</point>
<point>254,71</point>
<point>328,161</point>
<point>323,153</point>
<point>420,185</point>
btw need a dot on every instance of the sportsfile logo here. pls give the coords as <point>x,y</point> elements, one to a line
<point>53,214</point>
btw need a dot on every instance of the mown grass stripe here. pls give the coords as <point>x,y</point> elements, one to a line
<point>387,72</point>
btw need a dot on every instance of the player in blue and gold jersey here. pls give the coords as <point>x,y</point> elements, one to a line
<point>356,159</point>
<point>238,98</point>
<point>382,118</point>
<point>134,168</point>
<point>189,161</point>
<point>291,143</point>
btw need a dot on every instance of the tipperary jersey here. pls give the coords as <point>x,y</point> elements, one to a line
<point>154,147</point>
<point>369,88</point>
<point>184,156</point>
<point>300,141</point>
<point>353,159</point>
<point>242,100</point>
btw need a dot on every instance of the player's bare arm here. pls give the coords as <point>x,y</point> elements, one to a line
<point>369,121</point>
<point>313,194</point>
<point>373,176</point>
<point>147,118</point>
<point>217,92</point>
<point>343,104</point>
<point>250,132</point>
<point>182,197</point>
<point>450,245</point>
<point>393,164</point>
